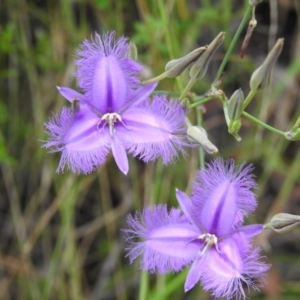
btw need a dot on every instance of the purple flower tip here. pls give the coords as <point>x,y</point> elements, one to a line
<point>114,113</point>
<point>206,232</point>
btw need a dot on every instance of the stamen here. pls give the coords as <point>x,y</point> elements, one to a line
<point>209,241</point>
<point>110,119</point>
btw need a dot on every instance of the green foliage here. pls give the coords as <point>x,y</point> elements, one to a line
<point>7,38</point>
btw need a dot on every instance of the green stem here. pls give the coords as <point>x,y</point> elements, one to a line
<point>171,287</point>
<point>199,102</point>
<point>248,99</point>
<point>259,122</point>
<point>233,42</point>
<point>297,124</point>
<point>168,37</point>
<point>187,88</point>
<point>144,286</point>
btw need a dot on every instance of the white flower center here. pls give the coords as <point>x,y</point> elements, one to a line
<point>110,119</point>
<point>209,241</point>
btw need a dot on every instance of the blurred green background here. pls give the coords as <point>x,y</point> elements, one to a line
<point>60,234</point>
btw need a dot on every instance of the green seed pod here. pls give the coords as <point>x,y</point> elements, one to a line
<point>235,105</point>
<point>261,77</point>
<point>200,66</point>
<point>176,66</point>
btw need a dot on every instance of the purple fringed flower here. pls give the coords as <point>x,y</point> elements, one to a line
<point>113,113</point>
<point>206,232</point>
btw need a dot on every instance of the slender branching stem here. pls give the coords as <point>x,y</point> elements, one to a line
<point>259,122</point>
<point>233,42</point>
<point>248,99</point>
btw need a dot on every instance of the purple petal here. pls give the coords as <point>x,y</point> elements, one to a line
<point>194,274</point>
<point>222,265</point>
<point>120,155</point>
<point>187,208</point>
<point>227,260</point>
<point>223,195</point>
<point>139,96</point>
<point>109,89</point>
<point>154,130</point>
<point>84,134</point>
<point>219,210</point>
<point>70,94</point>
<point>169,240</point>
<point>57,128</point>
<point>83,146</point>
<point>252,230</point>
<point>224,271</point>
<point>249,231</point>
<point>105,72</point>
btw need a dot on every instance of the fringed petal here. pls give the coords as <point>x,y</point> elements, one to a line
<point>168,239</point>
<point>225,269</point>
<point>105,72</point>
<point>154,130</point>
<point>218,212</point>
<point>109,90</point>
<point>222,179</point>
<point>83,146</point>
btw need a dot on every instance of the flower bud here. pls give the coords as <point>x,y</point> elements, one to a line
<point>261,77</point>
<point>283,222</point>
<point>176,66</point>
<point>198,134</point>
<point>200,66</point>
<point>235,105</point>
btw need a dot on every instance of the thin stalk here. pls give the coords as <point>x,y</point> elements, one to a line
<point>233,42</point>
<point>163,16</point>
<point>171,286</point>
<point>187,88</point>
<point>259,122</point>
<point>292,176</point>
<point>248,99</point>
<point>199,102</point>
<point>297,124</point>
<point>144,286</point>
